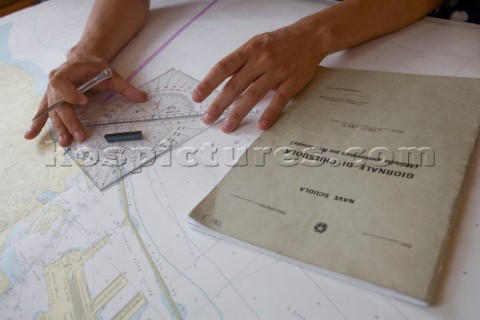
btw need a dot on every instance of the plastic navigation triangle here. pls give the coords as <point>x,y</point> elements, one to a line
<point>166,120</point>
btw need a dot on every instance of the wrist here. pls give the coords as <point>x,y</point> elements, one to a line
<point>334,28</point>
<point>83,52</point>
<point>316,35</point>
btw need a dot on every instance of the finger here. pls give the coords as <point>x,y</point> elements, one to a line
<point>222,70</point>
<point>249,99</point>
<point>39,123</point>
<point>70,120</point>
<point>126,89</point>
<point>281,97</point>
<point>61,130</point>
<point>231,91</point>
<point>66,90</point>
<point>63,135</point>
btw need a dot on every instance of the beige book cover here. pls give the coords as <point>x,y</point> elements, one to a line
<point>359,179</point>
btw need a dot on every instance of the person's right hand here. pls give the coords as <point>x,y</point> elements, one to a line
<point>63,81</point>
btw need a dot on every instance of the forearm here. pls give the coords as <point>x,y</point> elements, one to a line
<point>112,23</point>
<point>352,22</point>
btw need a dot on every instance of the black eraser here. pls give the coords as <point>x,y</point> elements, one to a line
<point>123,136</point>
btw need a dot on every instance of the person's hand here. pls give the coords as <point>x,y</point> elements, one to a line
<point>63,82</point>
<point>284,60</point>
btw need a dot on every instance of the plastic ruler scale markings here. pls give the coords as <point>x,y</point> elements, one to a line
<point>167,119</point>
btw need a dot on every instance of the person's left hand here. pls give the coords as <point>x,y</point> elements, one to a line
<point>284,60</point>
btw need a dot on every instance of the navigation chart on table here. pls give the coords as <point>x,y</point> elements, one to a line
<point>68,250</point>
<point>167,119</point>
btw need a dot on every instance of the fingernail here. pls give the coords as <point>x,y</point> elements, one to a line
<point>263,124</point>
<point>208,119</point>
<point>62,137</point>
<point>83,100</point>
<point>227,126</point>
<point>78,135</point>
<point>196,95</point>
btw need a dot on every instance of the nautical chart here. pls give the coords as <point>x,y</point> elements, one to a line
<point>167,119</point>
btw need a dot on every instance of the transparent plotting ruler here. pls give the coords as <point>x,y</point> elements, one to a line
<point>167,119</point>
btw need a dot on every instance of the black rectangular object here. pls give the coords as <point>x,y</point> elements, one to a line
<point>123,136</point>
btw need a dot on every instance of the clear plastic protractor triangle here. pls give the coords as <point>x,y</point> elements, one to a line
<point>167,120</point>
<point>169,96</point>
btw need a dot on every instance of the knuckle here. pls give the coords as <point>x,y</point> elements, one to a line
<point>51,74</point>
<point>55,81</point>
<point>230,87</point>
<point>71,124</point>
<point>221,67</point>
<point>267,57</point>
<point>252,94</point>
<point>238,55</point>
<point>59,128</point>
<point>283,72</point>
<point>234,116</point>
<point>281,100</point>
<point>205,86</point>
<point>214,108</point>
<point>259,41</point>
<point>74,127</point>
